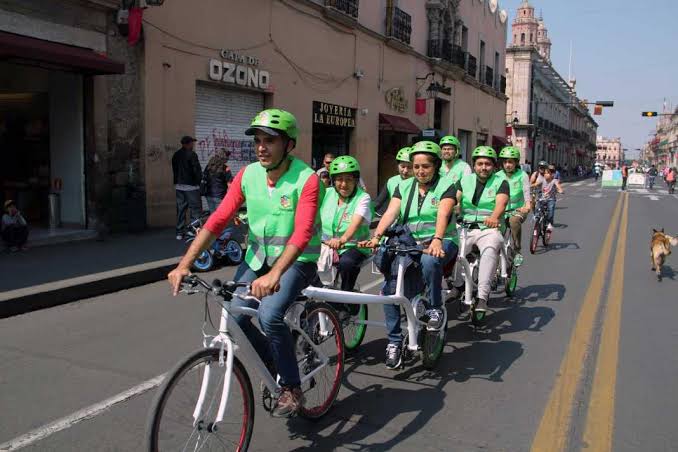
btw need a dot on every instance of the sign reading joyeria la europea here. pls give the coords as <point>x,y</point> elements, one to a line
<point>333,115</point>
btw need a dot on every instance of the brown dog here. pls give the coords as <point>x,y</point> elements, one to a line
<point>660,247</point>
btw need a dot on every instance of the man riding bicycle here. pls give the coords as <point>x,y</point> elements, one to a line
<point>453,166</point>
<point>425,204</point>
<point>520,199</point>
<point>404,173</point>
<point>282,195</point>
<point>483,197</point>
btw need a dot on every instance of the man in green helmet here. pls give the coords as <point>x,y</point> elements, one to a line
<point>282,195</point>
<point>453,166</point>
<point>404,173</point>
<point>483,197</point>
<point>520,200</point>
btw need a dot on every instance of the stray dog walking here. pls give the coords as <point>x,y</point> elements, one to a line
<point>660,248</point>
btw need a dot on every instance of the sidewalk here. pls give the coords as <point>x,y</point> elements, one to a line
<point>51,275</point>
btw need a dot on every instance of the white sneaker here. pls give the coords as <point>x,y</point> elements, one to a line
<point>549,227</point>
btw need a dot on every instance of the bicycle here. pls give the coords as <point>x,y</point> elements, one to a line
<point>202,384</point>
<point>224,248</point>
<point>420,337</point>
<point>507,272</point>
<point>540,229</point>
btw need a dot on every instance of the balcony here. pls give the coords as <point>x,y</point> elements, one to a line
<point>398,24</point>
<point>489,76</point>
<point>471,65</point>
<point>447,52</point>
<point>348,7</point>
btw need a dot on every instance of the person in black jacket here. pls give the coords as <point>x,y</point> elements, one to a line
<point>187,175</point>
<point>217,176</point>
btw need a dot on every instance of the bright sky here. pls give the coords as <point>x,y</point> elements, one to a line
<point>623,50</point>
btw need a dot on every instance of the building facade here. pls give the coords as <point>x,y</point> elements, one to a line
<point>363,78</point>
<point>66,126</point>
<point>609,152</point>
<point>545,118</point>
<point>662,149</point>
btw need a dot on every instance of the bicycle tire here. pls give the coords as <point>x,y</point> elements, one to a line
<point>204,262</point>
<point>546,239</point>
<point>181,370</point>
<point>335,338</point>
<point>432,345</point>
<point>534,240</point>
<point>355,334</point>
<point>234,252</point>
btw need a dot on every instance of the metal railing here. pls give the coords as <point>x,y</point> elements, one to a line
<point>398,24</point>
<point>471,65</point>
<point>348,7</point>
<point>489,76</point>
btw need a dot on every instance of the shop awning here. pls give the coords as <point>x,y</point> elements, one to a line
<point>84,60</point>
<point>498,141</point>
<point>397,124</point>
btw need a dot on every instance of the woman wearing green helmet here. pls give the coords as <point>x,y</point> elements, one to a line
<point>425,204</point>
<point>520,198</point>
<point>404,173</point>
<point>484,196</point>
<point>346,213</point>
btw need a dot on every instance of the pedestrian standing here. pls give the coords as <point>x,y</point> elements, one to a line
<point>327,160</point>
<point>217,176</point>
<point>671,179</point>
<point>625,175</point>
<point>14,227</point>
<point>187,176</point>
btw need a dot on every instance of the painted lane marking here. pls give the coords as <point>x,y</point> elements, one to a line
<point>554,427</point>
<point>599,429</point>
<point>79,416</point>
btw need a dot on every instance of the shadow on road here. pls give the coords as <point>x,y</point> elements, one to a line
<point>667,272</point>
<point>536,292</point>
<point>557,247</point>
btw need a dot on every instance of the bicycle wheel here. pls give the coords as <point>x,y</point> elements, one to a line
<point>171,425</point>
<point>204,262</point>
<point>233,252</point>
<point>512,282</point>
<point>322,388</point>
<point>535,238</point>
<point>354,333</point>
<point>432,344</point>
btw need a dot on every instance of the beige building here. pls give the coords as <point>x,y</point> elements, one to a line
<point>546,119</point>
<point>662,149</point>
<point>609,152</point>
<point>363,78</point>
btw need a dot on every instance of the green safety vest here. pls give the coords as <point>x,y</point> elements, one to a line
<point>336,219</point>
<point>487,201</point>
<point>422,222</point>
<point>516,182</point>
<point>456,172</point>
<point>271,215</point>
<point>392,183</point>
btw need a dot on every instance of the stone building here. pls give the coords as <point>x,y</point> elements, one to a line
<point>609,152</point>
<point>67,125</point>
<point>362,77</point>
<point>662,149</point>
<point>546,119</point>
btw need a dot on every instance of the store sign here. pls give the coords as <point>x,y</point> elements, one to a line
<point>395,98</point>
<point>238,71</point>
<point>333,115</point>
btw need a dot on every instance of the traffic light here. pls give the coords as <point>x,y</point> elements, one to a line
<point>649,114</point>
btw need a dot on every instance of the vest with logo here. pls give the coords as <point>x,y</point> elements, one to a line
<point>422,222</point>
<point>337,218</point>
<point>516,183</point>
<point>456,172</point>
<point>487,201</point>
<point>271,215</point>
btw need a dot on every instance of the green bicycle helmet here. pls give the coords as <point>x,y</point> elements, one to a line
<point>425,147</point>
<point>510,152</point>
<point>403,155</point>
<point>274,121</point>
<point>450,139</point>
<point>484,151</point>
<point>344,164</point>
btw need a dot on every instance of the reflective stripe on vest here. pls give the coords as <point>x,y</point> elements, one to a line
<point>487,201</point>
<point>271,215</point>
<point>516,183</point>
<point>423,223</point>
<point>337,218</point>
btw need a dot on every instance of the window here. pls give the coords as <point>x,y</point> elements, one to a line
<point>522,39</point>
<point>482,57</point>
<point>464,38</point>
<point>530,38</point>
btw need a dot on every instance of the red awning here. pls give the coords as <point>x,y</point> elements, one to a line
<point>85,60</point>
<point>498,141</point>
<point>397,124</point>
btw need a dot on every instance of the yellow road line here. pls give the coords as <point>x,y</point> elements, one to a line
<point>555,423</point>
<point>600,417</point>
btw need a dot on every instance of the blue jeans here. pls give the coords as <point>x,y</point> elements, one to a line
<point>277,345</point>
<point>550,210</point>
<point>432,272</point>
<point>212,203</point>
<point>187,200</point>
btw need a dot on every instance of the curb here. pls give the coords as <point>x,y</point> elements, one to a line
<point>29,299</point>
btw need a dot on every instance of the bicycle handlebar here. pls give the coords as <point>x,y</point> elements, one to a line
<point>190,284</point>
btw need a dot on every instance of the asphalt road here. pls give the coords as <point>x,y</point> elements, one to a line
<point>582,358</point>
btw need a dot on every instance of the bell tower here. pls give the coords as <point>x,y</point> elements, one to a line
<point>525,26</point>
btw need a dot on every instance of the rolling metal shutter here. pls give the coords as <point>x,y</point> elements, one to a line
<point>221,117</point>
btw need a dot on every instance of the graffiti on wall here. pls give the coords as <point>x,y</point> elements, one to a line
<point>242,150</point>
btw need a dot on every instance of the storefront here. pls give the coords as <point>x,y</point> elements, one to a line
<point>332,129</point>
<point>43,103</point>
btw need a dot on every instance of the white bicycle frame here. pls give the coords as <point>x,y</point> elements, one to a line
<point>231,339</point>
<point>341,296</point>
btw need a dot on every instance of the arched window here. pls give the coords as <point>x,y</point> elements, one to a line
<point>531,38</point>
<point>522,38</point>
